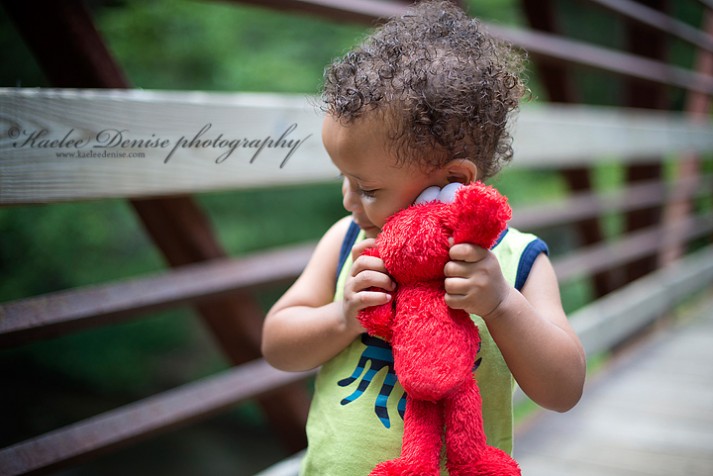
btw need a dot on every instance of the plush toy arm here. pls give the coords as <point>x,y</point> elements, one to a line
<point>377,319</point>
<point>480,215</point>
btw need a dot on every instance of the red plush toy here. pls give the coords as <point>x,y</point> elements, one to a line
<point>435,346</point>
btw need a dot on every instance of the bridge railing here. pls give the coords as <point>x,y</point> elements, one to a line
<point>155,149</point>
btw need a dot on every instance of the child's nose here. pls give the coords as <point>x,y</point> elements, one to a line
<point>350,200</point>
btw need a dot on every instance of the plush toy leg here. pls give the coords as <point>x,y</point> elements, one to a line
<point>467,452</point>
<point>421,445</point>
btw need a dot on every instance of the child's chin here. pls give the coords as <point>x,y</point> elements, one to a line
<point>369,230</point>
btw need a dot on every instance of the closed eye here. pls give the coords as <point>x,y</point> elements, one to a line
<point>367,193</point>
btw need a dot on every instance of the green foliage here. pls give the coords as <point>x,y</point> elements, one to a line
<point>520,185</point>
<point>166,44</point>
<point>48,248</point>
<point>249,220</point>
<point>504,12</point>
<point>113,360</point>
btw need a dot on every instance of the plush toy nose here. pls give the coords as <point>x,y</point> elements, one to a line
<point>446,194</point>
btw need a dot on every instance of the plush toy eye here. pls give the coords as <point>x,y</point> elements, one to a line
<point>448,193</point>
<point>428,195</point>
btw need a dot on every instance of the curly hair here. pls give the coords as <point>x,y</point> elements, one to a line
<point>445,87</point>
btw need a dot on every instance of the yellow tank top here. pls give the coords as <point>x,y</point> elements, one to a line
<point>356,417</point>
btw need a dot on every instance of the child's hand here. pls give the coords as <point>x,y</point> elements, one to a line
<point>474,281</point>
<point>366,272</point>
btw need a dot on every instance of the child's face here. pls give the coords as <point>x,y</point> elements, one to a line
<point>374,187</point>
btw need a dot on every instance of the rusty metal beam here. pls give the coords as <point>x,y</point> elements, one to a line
<point>353,11</point>
<point>58,313</point>
<point>555,76</point>
<point>370,12</point>
<point>655,19</point>
<point>548,47</point>
<point>66,59</point>
<point>647,43</point>
<point>698,108</point>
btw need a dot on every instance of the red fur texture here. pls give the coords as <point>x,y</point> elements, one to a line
<point>434,346</point>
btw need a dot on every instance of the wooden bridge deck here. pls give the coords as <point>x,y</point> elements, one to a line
<point>650,413</point>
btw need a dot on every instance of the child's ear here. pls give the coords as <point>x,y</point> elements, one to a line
<point>461,171</point>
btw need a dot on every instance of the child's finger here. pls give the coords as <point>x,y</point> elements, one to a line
<point>366,299</point>
<point>372,279</point>
<point>455,301</point>
<point>363,263</point>
<point>359,248</point>
<point>455,269</point>
<point>456,286</point>
<point>467,252</point>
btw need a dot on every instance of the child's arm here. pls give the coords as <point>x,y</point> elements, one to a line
<point>305,328</point>
<point>530,328</point>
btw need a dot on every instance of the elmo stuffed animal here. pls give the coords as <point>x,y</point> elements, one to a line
<point>434,346</point>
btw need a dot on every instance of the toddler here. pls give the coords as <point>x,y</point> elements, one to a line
<point>424,101</point>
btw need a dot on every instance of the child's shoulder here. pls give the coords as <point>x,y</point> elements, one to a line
<point>315,286</point>
<point>517,253</point>
<point>338,231</point>
<point>326,254</point>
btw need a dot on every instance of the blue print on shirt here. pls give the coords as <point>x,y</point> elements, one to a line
<point>376,356</point>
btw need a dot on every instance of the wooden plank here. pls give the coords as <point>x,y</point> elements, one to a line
<point>55,314</point>
<point>186,142</point>
<point>289,466</point>
<point>136,143</point>
<point>629,422</point>
<point>610,320</point>
<point>563,136</point>
<point>143,419</point>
